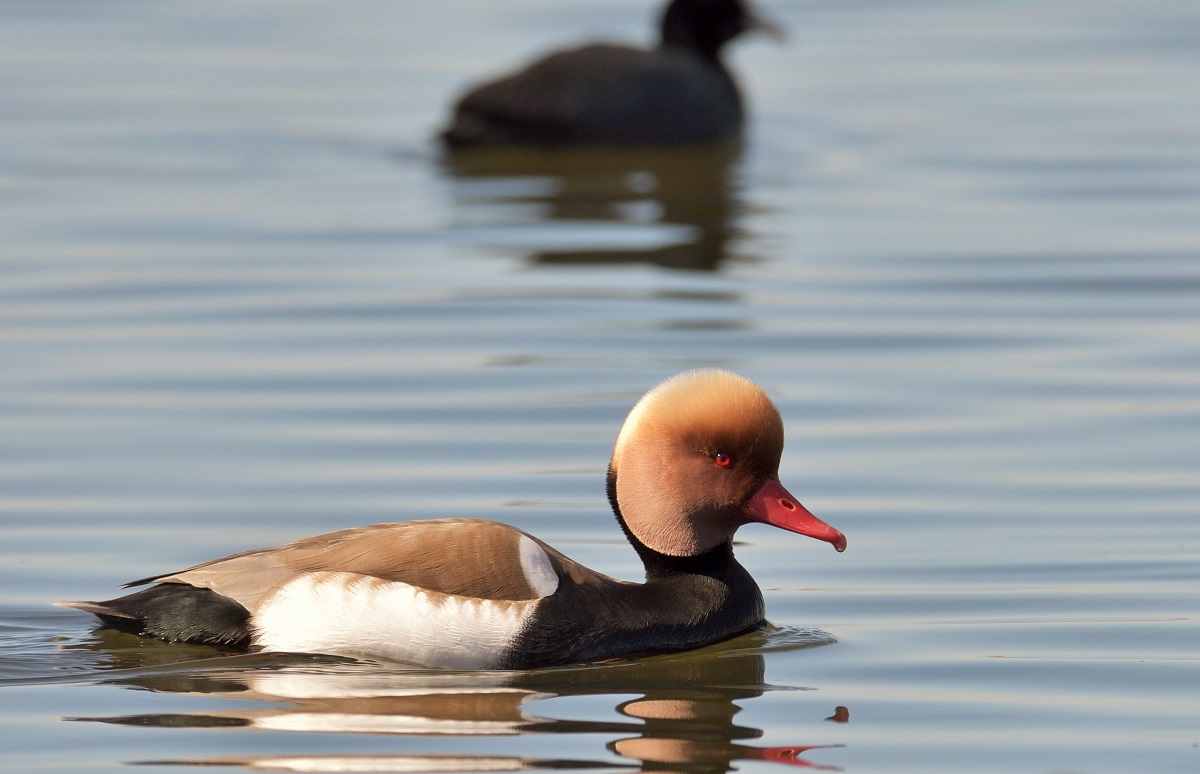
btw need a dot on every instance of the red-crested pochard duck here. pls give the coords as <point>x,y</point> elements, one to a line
<point>606,95</point>
<point>697,457</point>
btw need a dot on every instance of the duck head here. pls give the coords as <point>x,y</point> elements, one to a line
<point>698,457</point>
<point>705,26</point>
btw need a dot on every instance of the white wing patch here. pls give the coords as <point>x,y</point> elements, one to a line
<point>539,573</point>
<point>348,614</point>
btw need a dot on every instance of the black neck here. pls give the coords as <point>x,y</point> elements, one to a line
<point>703,28</point>
<point>686,602</point>
<point>715,562</point>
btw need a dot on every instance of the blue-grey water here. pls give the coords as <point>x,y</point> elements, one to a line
<point>244,299</point>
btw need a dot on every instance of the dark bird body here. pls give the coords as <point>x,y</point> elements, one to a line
<point>605,94</point>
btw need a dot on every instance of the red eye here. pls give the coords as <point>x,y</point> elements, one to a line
<point>722,459</point>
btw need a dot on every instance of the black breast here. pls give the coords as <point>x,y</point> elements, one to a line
<point>684,604</point>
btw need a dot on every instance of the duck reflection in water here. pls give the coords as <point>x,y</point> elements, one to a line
<point>682,718</point>
<point>670,207</point>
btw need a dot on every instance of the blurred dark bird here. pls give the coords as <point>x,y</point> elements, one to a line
<point>606,94</point>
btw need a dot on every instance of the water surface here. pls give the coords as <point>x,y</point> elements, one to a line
<point>244,299</point>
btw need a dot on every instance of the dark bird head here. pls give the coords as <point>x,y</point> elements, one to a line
<point>705,26</point>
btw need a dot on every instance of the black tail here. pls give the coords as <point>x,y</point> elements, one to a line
<point>175,612</point>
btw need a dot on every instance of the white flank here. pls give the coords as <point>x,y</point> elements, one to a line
<point>539,573</point>
<point>365,763</point>
<point>348,614</point>
<point>349,723</point>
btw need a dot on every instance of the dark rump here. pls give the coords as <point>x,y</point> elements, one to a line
<point>175,612</point>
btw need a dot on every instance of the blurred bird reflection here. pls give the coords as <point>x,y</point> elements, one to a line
<point>674,208</point>
<point>682,716</point>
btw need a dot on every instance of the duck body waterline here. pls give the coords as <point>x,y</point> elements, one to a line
<point>603,94</point>
<point>687,470</point>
